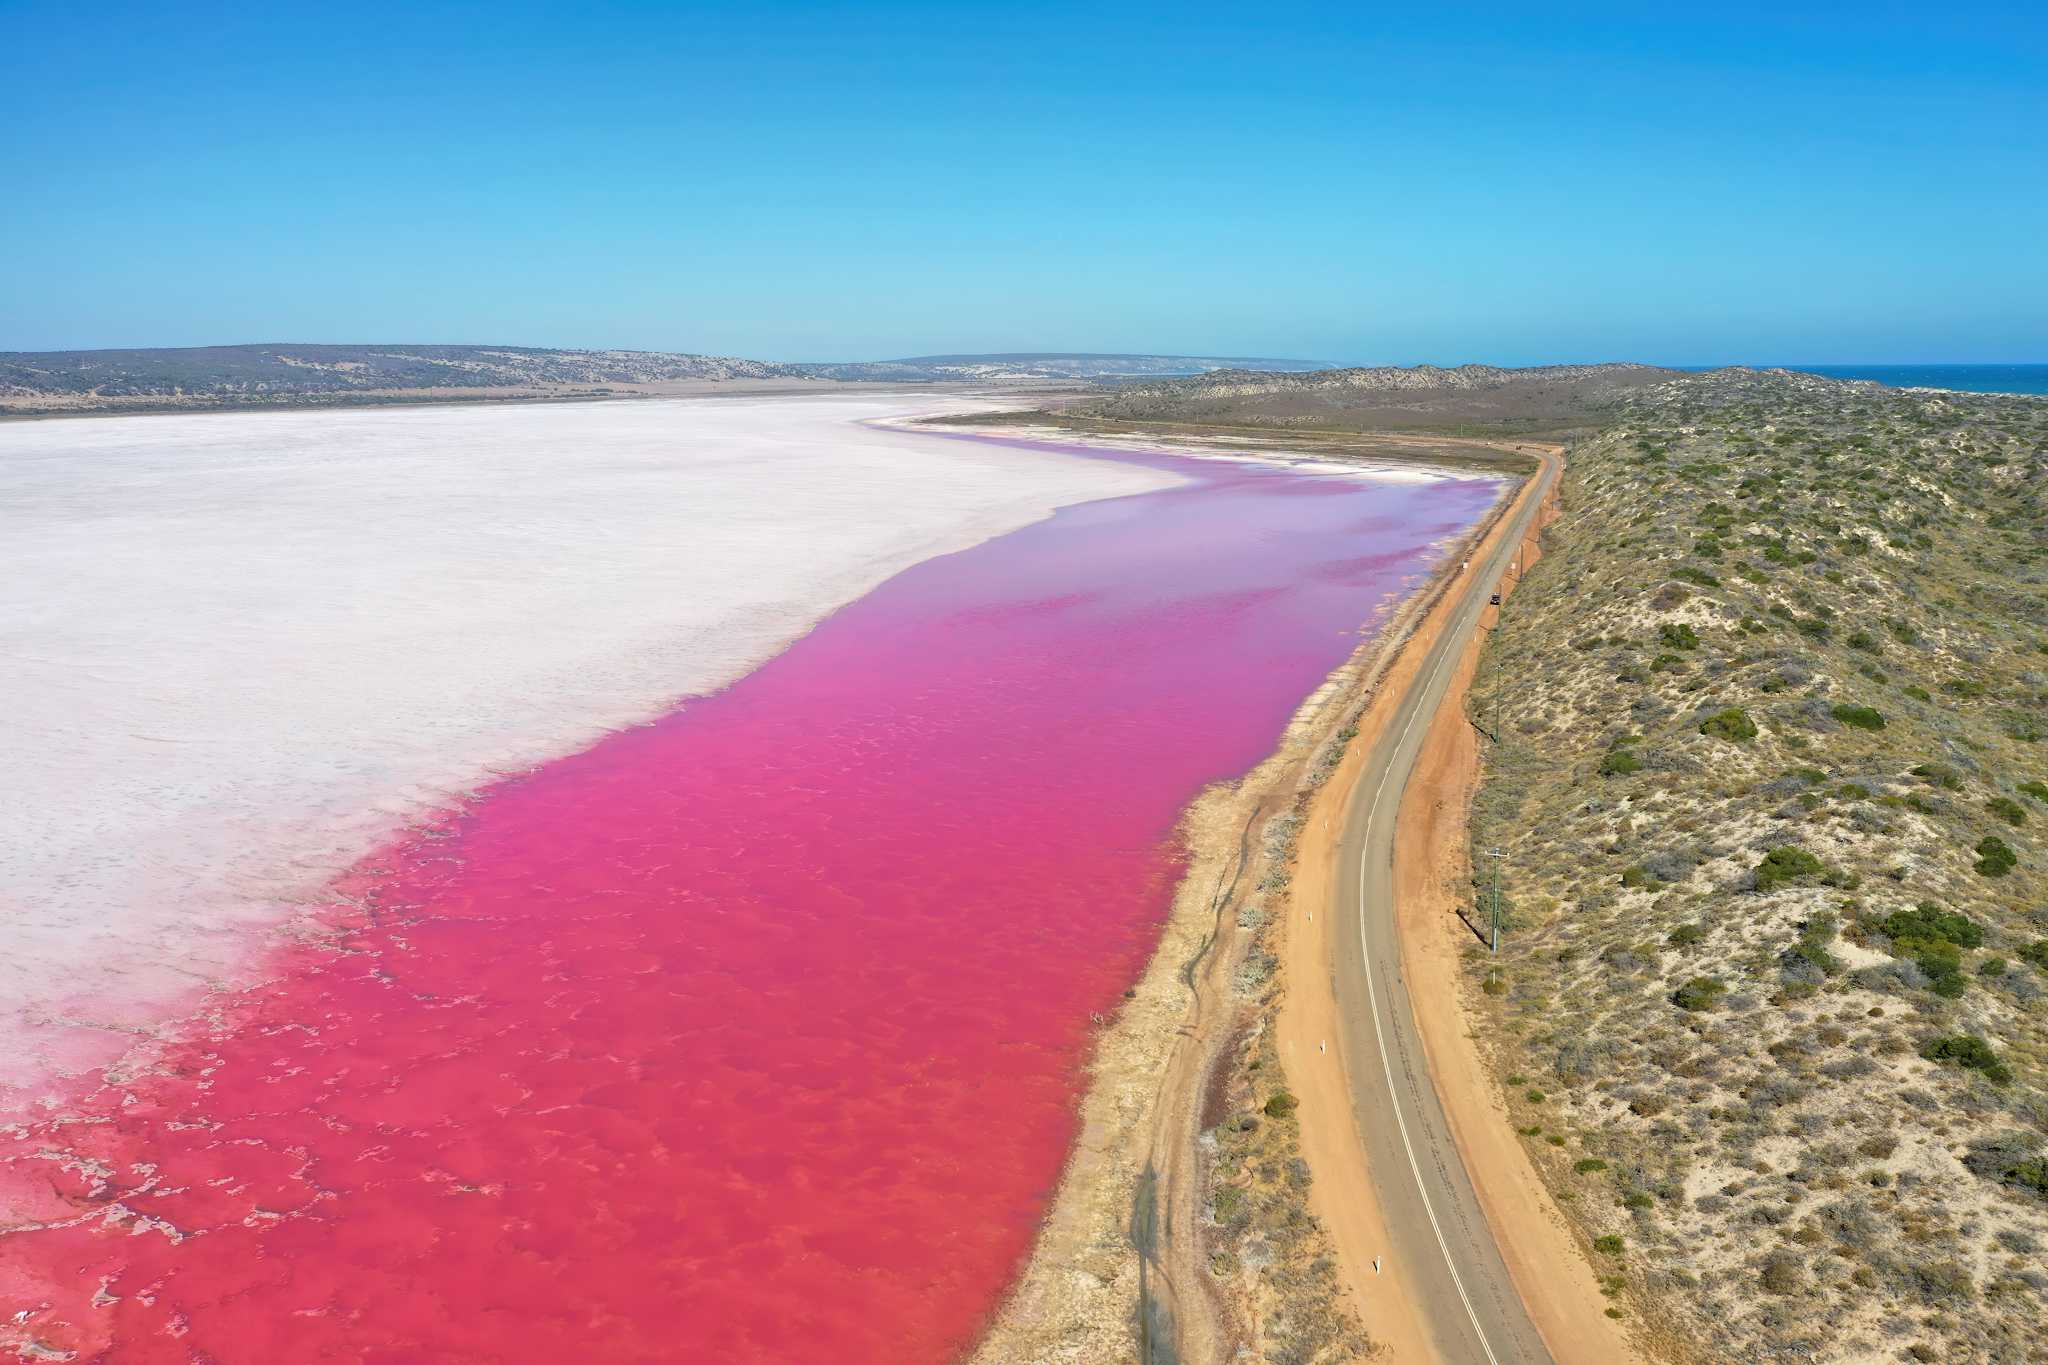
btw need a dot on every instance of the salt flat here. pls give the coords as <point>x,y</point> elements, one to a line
<point>239,651</point>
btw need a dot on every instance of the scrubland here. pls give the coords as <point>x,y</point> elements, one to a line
<point>1769,779</point>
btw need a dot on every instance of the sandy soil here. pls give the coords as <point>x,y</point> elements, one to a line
<point>1075,1302</point>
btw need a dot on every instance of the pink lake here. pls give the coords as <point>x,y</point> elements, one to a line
<point>750,1035</point>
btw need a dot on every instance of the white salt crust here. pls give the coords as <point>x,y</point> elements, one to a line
<point>240,651</point>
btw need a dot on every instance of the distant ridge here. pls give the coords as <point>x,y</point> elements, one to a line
<point>294,373</point>
<point>216,373</point>
<point>1044,365</point>
<point>1386,397</point>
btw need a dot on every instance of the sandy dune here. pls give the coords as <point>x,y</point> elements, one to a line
<point>239,651</point>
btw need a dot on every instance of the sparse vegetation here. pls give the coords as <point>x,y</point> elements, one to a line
<point>1786,968</point>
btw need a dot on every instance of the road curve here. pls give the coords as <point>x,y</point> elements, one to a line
<point>1438,1231</point>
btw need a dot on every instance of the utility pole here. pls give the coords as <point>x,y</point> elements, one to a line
<point>1496,854</point>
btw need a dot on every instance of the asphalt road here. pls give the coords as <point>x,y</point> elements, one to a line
<point>1439,1232</point>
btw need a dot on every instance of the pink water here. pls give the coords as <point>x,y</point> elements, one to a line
<point>751,1035</point>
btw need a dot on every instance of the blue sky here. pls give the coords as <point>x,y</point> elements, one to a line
<point>1507,184</point>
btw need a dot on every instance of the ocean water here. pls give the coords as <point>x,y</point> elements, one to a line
<point>1968,378</point>
<point>749,1035</point>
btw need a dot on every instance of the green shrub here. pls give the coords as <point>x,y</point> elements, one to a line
<point>1588,1165</point>
<point>2007,809</point>
<point>1969,1051</point>
<point>1943,963</point>
<point>1700,993</point>
<point>1619,763</point>
<point>1995,857</point>
<point>1610,1245</point>
<point>1781,1275</point>
<point>1685,936</point>
<point>2035,954</point>
<point>1786,864</point>
<point>1812,946</point>
<point>1940,774</point>
<point>1862,717</point>
<point>2037,790</point>
<point>1732,724</point>
<point>1637,878</point>
<point>1928,922</point>
<point>1917,693</point>
<point>1281,1105</point>
<point>2011,1158</point>
<point>1679,635</point>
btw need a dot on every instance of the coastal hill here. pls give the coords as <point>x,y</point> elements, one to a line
<point>197,376</point>
<point>1769,778</point>
<point>1009,367</point>
<point>1476,398</point>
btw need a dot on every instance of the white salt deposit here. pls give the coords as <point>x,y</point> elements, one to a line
<point>237,652</point>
